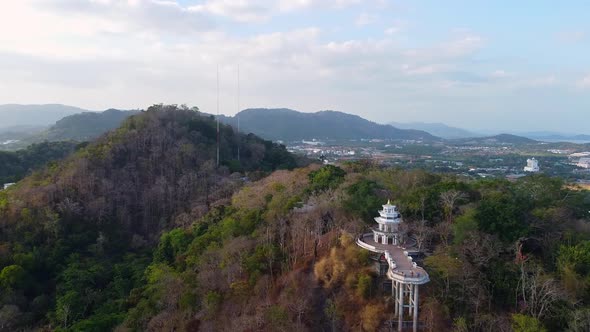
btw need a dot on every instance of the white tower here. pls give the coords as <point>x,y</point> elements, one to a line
<point>388,222</point>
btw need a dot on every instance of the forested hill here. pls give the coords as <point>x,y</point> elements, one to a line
<point>16,165</point>
<point>497,139</point>
<point>437,129</point>
<point>85,126</point>
<point>108,203</point>
<point>157,165</point>
<point>290,125</point>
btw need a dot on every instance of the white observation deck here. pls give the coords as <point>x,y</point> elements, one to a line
<point>388,240</point>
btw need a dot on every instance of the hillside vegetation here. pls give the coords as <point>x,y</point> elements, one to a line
<point>140,232</point>
<point>85,126</point>
<point>95,216</point>
<point>16,165</point>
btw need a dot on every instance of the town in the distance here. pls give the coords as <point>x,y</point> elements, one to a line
<point>334,137</point>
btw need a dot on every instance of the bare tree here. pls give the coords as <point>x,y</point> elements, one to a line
<point>443,229</point>
<point>448,200</point>
<point>538,292</point>
<point>580,321</point>
<point>421,232</point>
<point>9,317</point>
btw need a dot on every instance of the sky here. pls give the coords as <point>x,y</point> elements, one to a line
<point>480,65</point>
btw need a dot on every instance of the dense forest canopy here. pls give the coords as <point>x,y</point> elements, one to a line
<point>140,231</point>
<point>16,165</point>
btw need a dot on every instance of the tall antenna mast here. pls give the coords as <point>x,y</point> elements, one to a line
<point>218,115</point>
<point>238,114</point>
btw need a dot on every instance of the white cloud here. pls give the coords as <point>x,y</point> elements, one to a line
<point>500,73</point>
<point>365,19</point>
<point>584,82</point>
<point>263,10</point>
<point>392,30</point>
<point>542,81</point>
<point>115,53</point>
<point>571,36</point>
<point>239,10</point>
<point>463,45</point>
<point>429,69</point>
<point>122,50</point>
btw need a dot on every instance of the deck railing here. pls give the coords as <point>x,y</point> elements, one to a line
<point>420,276</point>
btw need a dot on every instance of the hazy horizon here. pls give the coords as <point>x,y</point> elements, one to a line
<point>516,67</point>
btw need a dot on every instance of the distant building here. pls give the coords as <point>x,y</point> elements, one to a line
<point>584,163</point>
<point>532,165</point>
<point>6,185</point>
<point>580,154</point>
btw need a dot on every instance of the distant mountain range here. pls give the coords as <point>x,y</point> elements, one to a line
<point>14,115</point>
<point>84,126</point>
<point>448,132</point>
<point>54,122</point>
<point>289,125</point>
<point>438,129</point>
<point>557,137</point>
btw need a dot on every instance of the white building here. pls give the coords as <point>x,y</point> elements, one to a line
<point>388,222</point>
<point>580,155</point>
<point>532,165</point>
<point>584,163</point>
<point>6,185</point>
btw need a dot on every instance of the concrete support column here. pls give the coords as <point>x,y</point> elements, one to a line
<point>415,308</point>
<point>410,300</point>
<point>395,298</point>
<point>401,307</point>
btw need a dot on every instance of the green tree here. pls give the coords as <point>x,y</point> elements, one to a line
<point>363,200</point>
<point>12,276</point>
<point>463,225</point>
<point>327,177</point>
<point>503,215</point>
<point>277,318</point>
<point>524,323</point>
<point>364,285</point>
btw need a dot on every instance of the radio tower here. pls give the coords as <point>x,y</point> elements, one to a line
<point>238,114</point>
<point>218,116</point>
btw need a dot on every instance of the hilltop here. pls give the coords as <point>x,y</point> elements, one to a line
<point>497,140</point>
<point>34,115</point>
<point>106,206</point>
<point>79,127</point>
<point>438,129</point>
<point>289,125</point>
<point>149,152</point>
<point>85,126</point>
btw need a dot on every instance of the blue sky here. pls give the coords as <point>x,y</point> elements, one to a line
<point>495,65</point>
